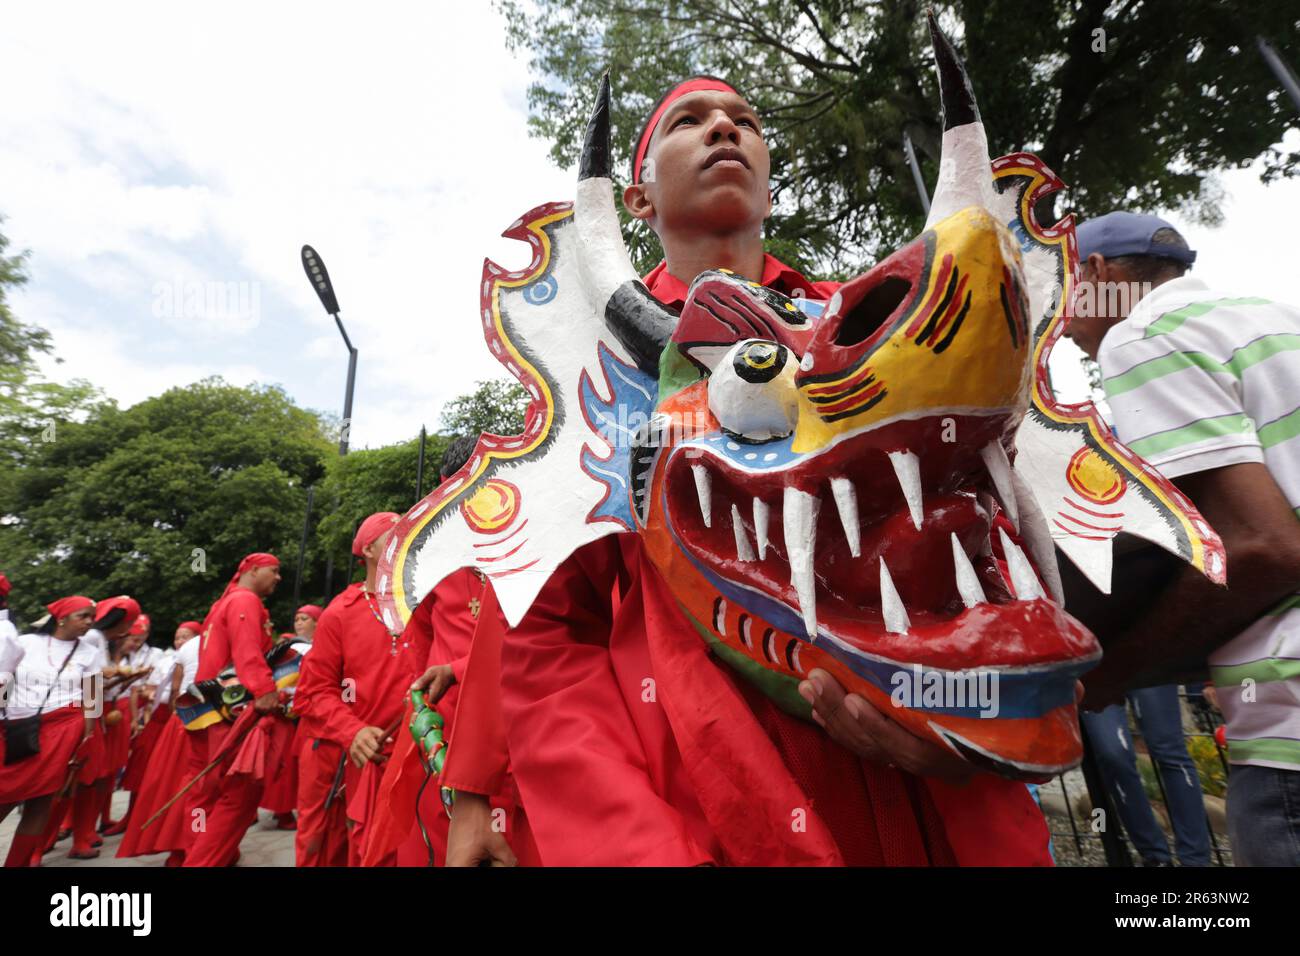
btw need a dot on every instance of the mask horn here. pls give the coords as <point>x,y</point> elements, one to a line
<point>638,321</point>
<point>965,174</point>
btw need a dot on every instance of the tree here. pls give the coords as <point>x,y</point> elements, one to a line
<point>18,342</point>
<point>162,499</point>
<point>30,408</point>
<point>1132,103</point>
<point>370,480</point>
<point>496,406</point>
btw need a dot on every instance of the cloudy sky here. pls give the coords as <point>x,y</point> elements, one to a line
<point>149,147</point>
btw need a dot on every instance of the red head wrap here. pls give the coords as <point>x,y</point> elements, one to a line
<point>4,586</point>
<point>194,626</point>
<point>68,605</point>
<point>372,528</point>
<point>129,605</point>
<point>311,610</point>
<point>258,559</point>
<point>141,625</point>
<point>693,85</point>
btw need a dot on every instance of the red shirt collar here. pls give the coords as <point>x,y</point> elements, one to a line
<point>671,291</point>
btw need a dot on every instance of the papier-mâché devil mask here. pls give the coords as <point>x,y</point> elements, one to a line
<point>874,485</point>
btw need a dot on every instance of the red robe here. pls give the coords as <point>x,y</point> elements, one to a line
<point>238,631</point>
<point>445,622</point>
<point>322,837</point>
<point>630,745</point>
<point>171,765</point>
<point>142,748</point>
<point>478,753</point>
<point>351,645</point>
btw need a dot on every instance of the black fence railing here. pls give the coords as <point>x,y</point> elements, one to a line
<point>1100,840</point>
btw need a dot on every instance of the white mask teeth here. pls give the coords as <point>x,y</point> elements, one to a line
<point>704,490</point>
<point>1024,581</point>
<point>907,467</point>
<point>1038,538</point>
<point>799,518</point>
<point>968,582</point>
<point>744,552</point>
<point>846,502</point>
<point>999,469</point>
<point>762,515</point>
<point>891,605</point>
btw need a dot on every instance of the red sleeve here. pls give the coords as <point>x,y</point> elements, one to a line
<point>244,614</point>
<point>575,753</point>
<point>322,711</point>
<point>458,667</point>
<point>478,758</point>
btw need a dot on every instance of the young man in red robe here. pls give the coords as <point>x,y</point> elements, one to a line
<point>237,630</point>
<point>352,690</point>
<point>462,627</point>
<point>629,743</point>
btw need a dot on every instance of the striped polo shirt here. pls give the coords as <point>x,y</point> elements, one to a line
<point>1197,379</point>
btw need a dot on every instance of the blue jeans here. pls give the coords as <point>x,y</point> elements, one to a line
<point>1159,717</point>
<point>1264,815</point>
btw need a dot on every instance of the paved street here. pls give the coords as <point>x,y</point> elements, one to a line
<point>263,844</point>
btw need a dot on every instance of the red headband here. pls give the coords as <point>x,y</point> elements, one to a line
<point>372,528</point>
<point>693,85</point>
<point>258,559</point>
<point>311,610</point>
<point>68,605</point>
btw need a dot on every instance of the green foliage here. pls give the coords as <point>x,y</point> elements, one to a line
<point>1138,115</point>
<point>370,480</point>
<point>496,407</point>
<point>161,500</point>
<point>18,342</point>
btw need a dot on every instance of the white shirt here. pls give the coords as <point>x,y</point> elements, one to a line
<point>187,658</point>
<point>8,649</point>
<point>1197,380</point>
<point>41,657</point>
<point>95,638</point>
<point>140,657</point>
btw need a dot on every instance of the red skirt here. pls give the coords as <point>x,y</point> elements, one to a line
<point>117,739</point>
<point>281,792</point>
<point>142,748</point>
<point>170,767</point>
<point>44,773</point>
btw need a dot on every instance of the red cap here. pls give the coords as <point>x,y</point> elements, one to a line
<point>313,611</point>
<point>128,604</point>
<point>693,85</point>
<point>68,605</point>
<point>372,528</point>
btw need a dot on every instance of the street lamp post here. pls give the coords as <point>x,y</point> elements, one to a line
<point>314,266</point>
<point>319,277</point>
<point>910,153</point>
<point>1283,72</point>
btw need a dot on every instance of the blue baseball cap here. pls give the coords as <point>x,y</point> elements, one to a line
<point>1130,234</point>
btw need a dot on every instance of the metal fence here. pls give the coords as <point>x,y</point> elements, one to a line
<point>1082,841</point>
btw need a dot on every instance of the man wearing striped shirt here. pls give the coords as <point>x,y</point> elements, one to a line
<point>1206,386</point>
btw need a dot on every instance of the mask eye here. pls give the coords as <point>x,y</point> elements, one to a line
<point>752,391</point>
